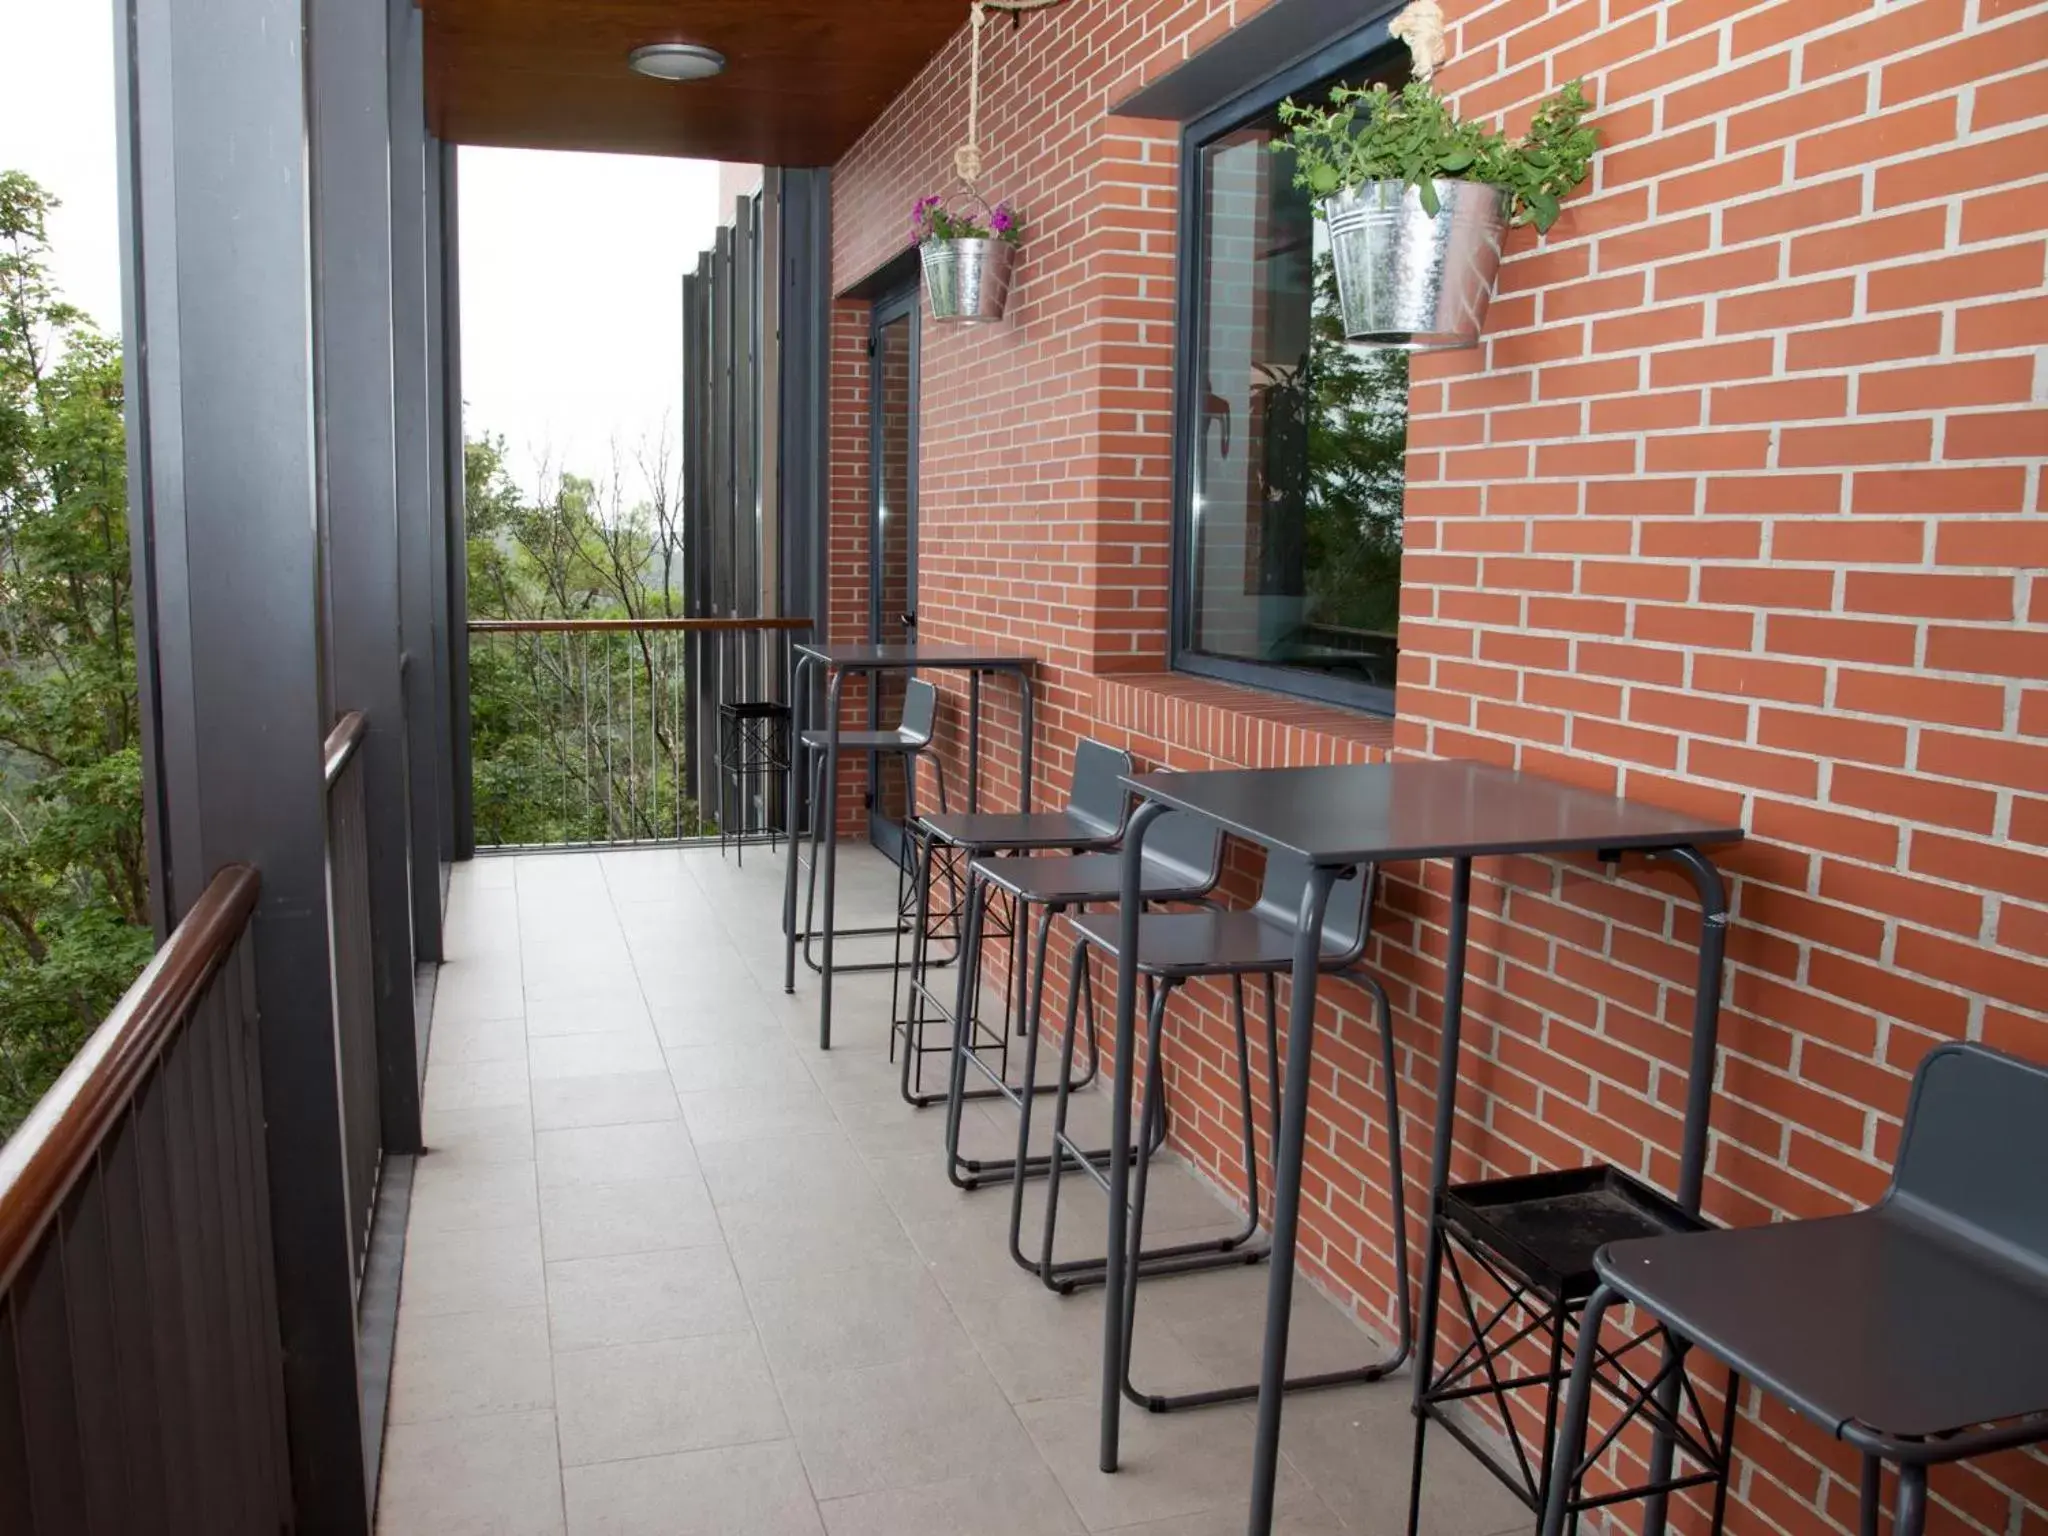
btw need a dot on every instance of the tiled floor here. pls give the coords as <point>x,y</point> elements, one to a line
<point>672,1271</point>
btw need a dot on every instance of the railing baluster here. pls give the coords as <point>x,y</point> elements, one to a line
<point>574,720</point>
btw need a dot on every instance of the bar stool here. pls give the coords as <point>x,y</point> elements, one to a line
<point>1173,949</point>
<point>1915,1331</point>
<point>753,748</point>
<point>1093,819</point>
<point>909,742</point>
<point>1183,861</point>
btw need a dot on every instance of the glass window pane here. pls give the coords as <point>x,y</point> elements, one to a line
<point>1294,547</point>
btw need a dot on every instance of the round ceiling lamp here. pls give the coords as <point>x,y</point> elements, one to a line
<point>677,61</point>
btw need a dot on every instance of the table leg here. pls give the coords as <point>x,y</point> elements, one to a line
<point>1288,1139</point>
<point>1130,903</point>
<point>1699,1104</point>
<point>827,852</point>
<point>1029,708</point>
<point>1440,1160</point>
<point>797,685</point>
<point>973,739</point>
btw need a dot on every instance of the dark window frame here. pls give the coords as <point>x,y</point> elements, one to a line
<point>1368,45</point>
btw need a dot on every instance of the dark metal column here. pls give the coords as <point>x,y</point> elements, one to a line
<point>218,312</point>
<point>438,403</point>
<point>359,498</point>
<point>416,459</point>
<point>455,523</point>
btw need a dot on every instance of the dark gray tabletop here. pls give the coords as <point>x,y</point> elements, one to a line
<point>1378,812</point>
<point>864,657</point>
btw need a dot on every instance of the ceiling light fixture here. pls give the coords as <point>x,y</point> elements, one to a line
<point>677,61</point>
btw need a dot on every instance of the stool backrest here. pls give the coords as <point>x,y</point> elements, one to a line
<point>1973,1157</point>
<point>920,712</point>
<point>1098,800</point>
<point>1189,845</point>
<point>1347,916</point>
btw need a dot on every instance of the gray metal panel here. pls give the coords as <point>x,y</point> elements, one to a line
<point>359,497</point>
<point>416,531</point>
<point>455,526</point>
<point>214,110</point>
<point>437,539</point>
<point>1277,38</point>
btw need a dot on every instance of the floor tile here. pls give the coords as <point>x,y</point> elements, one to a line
<point>904,1425</point>
<point>499,1135</point>
<point>495,1476</point>
<point>614,1154</point>
<point>741,1490</point>
<point>628,1098</point>
<point>1355,1445</point>
<point>472,1271</point>
<point>454,1196</point>
<point>1173,1465</point>
<point>585,1013</point>
<point>605,1055</point>
<point>470,1364</point>
<point>773,1238</point>
<point>656,1399</point>
<point>746,1065</point>
<point>477,1084</point>
<point>792,1109</point>
<point>638,1298</point>
<point>457,1040</point>
<point>1021,1499</point>
<point>819,1168</point>
<point>582,1221</point>
<point>845,1319</point>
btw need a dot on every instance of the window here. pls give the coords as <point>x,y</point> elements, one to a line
<point>1289,441</point>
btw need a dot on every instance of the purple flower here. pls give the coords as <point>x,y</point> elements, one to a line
<point>1001,220</point>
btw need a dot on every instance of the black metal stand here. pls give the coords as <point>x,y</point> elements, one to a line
<point>1533,1239</point>
<point>753,750</point>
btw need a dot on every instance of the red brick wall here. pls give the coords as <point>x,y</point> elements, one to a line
<point>1739,507</point>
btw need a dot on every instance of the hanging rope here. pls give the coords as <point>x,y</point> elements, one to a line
<point>967,158</point>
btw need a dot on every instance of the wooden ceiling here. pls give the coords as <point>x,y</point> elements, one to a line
<point>803,78</point>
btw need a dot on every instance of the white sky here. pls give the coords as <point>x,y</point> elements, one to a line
<point>571,264</point>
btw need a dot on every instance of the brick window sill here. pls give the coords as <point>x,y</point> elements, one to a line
<point>1181,721</point>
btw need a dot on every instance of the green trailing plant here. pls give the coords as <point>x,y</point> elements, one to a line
<point>1365,135</point>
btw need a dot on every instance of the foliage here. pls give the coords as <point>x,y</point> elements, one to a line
<point>575,738</point>
<point>1366,135</point>
<point>1336,438</point>
<point>73,867</point>
<point>931,219</point>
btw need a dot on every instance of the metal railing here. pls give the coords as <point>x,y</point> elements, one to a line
<point>141,1372</point>
<point>603,731</point>
<point>353,960</point>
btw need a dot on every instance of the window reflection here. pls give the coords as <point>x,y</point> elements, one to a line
<point>1294,520</point>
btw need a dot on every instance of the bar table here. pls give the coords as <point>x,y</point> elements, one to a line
<point>1339,819</point>
<point>842,661</point>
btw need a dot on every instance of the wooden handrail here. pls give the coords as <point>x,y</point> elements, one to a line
<point>342,742</point>
<point>58,1141</point>
<point>593,626</point>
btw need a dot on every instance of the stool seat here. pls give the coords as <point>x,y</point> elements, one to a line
<point>1082,879</point>
<point>987,831</point>
<point>1875,1319</point>
<point>1207,943</point>
<point>867,741</point>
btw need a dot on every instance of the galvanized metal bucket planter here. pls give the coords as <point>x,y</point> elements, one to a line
<point>1411,279</point>
<point>967,280</point>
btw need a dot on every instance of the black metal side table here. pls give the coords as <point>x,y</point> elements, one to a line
<point>1338,819</point>
<point>753,753</point>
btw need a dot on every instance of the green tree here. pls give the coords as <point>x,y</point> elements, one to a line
<point>73,869</point>
<point>575,738</point>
